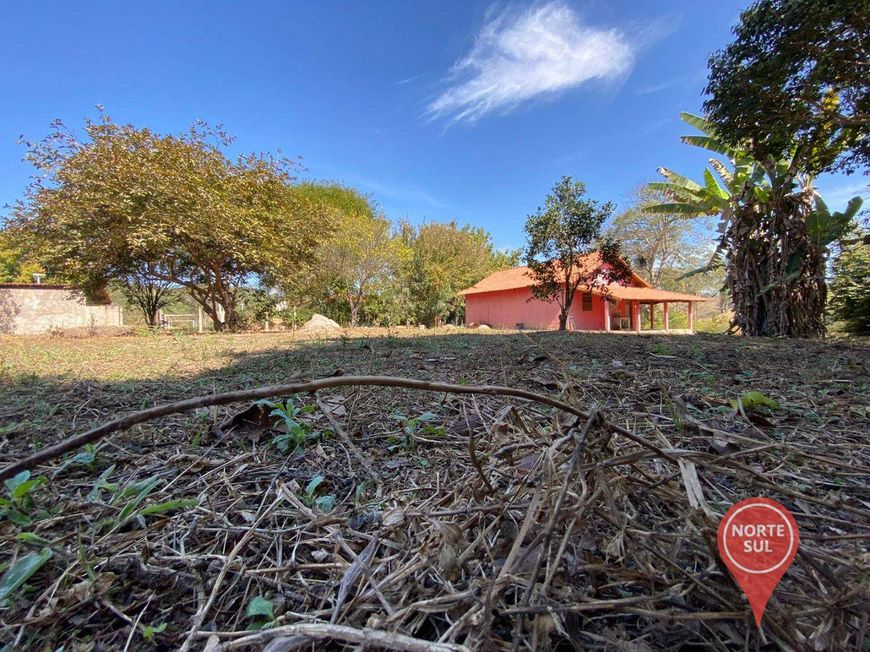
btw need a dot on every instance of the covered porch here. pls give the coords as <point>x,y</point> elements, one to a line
<point>623,310</point>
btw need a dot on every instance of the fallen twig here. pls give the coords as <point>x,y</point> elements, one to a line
<point>134,418</point>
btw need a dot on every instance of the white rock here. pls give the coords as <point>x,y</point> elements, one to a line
<point>320,323</point>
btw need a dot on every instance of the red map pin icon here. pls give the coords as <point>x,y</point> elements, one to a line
<point>758,539</point>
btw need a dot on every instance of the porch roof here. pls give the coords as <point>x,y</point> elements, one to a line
<point>649,295</point>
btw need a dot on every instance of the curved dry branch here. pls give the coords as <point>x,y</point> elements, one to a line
<point>130,420</point>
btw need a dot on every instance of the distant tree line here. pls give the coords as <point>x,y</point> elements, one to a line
<point>156,215</point>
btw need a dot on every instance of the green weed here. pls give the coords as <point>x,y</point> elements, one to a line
<point>19,504</point>
<point>325,503</point>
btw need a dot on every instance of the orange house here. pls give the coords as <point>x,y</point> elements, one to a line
<point>504,300</point>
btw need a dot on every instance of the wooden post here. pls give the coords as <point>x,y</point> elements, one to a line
<point>665,315</point>
<point>652,319</point>
<point>606,315</point>
<point>635,316</point>
<point>199,318</point>
<point>691,306</point>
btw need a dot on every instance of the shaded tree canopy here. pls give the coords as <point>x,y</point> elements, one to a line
<point>123,197</point>
<point>796,79</point>
<point>565,250</point>
<point>143,289</point>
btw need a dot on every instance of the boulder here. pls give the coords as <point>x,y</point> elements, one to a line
<point>320,323</point>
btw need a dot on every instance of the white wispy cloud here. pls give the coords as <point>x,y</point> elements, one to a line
<point>837,195</point>
<point>676,82</point>
<point>520,55</point>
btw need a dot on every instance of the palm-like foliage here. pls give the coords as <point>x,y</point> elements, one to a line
<point>774,233</point>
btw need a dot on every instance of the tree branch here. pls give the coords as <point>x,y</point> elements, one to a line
<point>312,386</point>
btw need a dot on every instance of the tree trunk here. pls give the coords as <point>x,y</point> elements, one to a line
<point>151,316</point>
<point>563,319</point>
<point>775,273</point>
<point>355,302</point>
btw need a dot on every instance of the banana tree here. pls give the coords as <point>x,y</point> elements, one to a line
<point>774,233</point>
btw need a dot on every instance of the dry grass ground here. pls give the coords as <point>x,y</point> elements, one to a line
<point>478,522</point>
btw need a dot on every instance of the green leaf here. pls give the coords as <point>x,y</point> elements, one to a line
<point>23,489</point>
<point>674,209</point>
<point>16,481</point>
<point>325,503</point>
<point>312,486</point>
<point>150,631</point>
<point>169,506</point>
<point>753,399</point>
<point>427,416</point>
<point>145,488</point>
<point>21,520</point>
<point>679,179</point>
<point>22,570</point>
<point>713,186</point>
<point>697,122</point>
<point>30,537</point>
<point>708,143</point>
<point>360,490</point>
<point>259,606</point>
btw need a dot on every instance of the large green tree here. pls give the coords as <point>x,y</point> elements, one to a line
<point>446,258</point>
<point>775,233</point>
<point>361,251</point>
<point>565,248</point>
<point>121,199</point>
<point>796,82</point>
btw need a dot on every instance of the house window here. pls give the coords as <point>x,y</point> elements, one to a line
<point>586,302</point>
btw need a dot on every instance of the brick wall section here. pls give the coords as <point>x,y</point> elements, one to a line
<point>31,310</point>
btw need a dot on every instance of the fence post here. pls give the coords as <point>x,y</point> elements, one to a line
<point>199,318</point>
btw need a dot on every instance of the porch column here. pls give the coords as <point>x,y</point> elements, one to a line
<point>665,315</point>
<point>691,306</point>
<point>635,316</point>
<point>606,315</point>
<point>652,319</point>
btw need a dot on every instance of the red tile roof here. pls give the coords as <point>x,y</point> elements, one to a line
<point>520,277</point>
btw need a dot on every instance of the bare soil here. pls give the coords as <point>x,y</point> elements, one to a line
<point>440,521</point>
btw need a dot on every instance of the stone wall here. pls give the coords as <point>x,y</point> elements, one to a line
<point>35,309</point>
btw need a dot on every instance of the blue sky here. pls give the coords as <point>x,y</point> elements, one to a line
<point>441,110</point>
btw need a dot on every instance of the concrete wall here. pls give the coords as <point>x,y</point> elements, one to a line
<point>34,310</point>
<point>507,308</point>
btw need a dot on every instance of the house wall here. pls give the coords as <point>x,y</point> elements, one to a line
<point>507,308</point>
<point>35,310</point>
